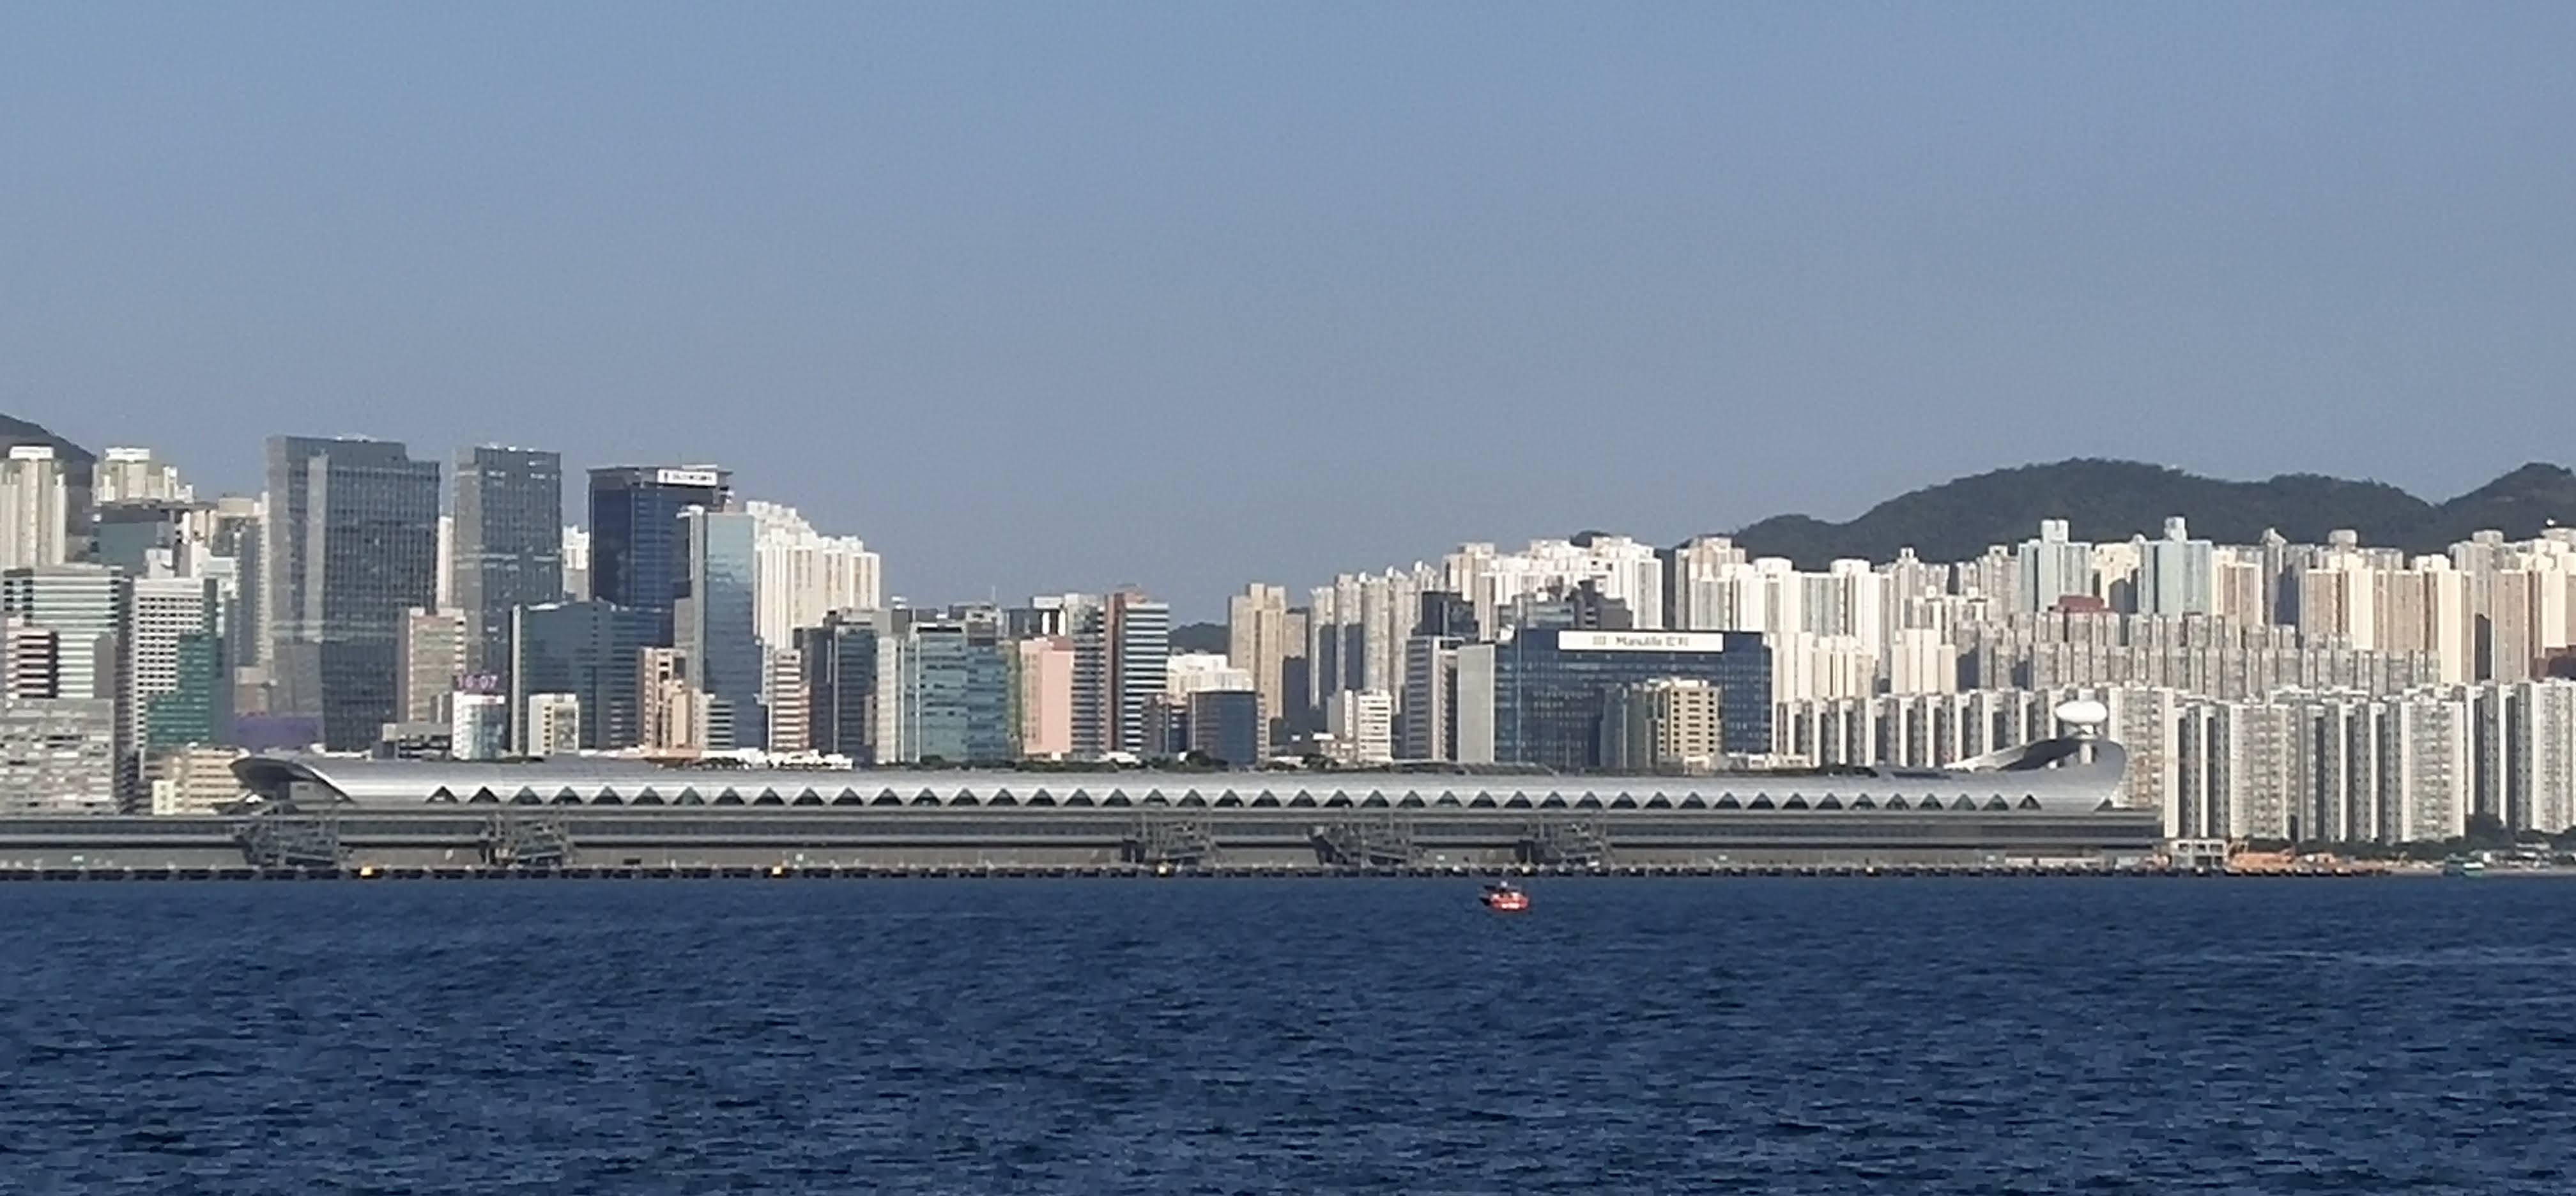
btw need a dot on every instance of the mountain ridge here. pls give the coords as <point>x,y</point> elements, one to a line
<point>2106,499</point>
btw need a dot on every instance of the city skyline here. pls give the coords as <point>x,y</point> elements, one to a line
<point>925,271</point>
<point>1189,605</point>
<point>2262,688</point>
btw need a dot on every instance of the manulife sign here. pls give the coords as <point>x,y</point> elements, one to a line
<point>1641,641</point>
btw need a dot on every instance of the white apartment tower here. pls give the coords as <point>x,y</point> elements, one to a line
<point>2053,567</point>
<point>1256,626</point>
<point>2177,575</point>
<point>129,474</point>
<point>35,496</point>
<point>803,575</point>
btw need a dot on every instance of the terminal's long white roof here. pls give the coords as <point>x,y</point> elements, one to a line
<point>2045,776</point>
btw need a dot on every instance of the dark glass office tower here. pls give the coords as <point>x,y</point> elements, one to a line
<point>509,547</point>
<point>588,650</point>
<point>1226,725</point>
<point>352,544</point>
<point>841,659</point>
<point>638,552</point>
<point>1547,688</point>
<point>716,619</point>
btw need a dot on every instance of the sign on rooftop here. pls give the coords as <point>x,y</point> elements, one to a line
<point>1641,641</point>
<point>685,477</point>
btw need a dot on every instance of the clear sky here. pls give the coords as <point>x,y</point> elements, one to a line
<point>1071,295</point>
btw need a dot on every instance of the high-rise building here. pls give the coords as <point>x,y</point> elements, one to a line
<point>716,619</point>
<point>2515,628</point>
<point>1256,627</point>
<point>1362,725</point>
<point>445,597</point>
<point>951,694</point>
<point>576,565</point>
<point>430,664</point>
<point>1141,646</point>
<point>174,641</point>
<point>58,756</point>
<point>1699,578</point>
<point>351,543</point>
<point>2053,567</point>
<point>1622,569</point>
<point>589,650</point>
<point>1227,726</point>
<point>148,537</point>
<point>508,547</point>
<point>1043,687</point>
<point>1427,718</point>
<point>804,575</point>
<point>2335,602</point>
<point>1921,660</point>
<point>198,708</point>
<point>479,726</point>
<point>78,466</point>
<point>85,615</point>
<point>1186,673</point>
<point>90,609</point>
<point>234,532</point>
<point>1582,607</point>
<point>1327,646</point>
<point>33,659</point>
<point>1122,652</point>
<point>554,725</point>
<point>783,695</point>
<point>35,508</point>
<point>1537,698</point>
<point>638,553</point>
<point>2178,574</point>
<point>1666,725</point>
<point>196,779</point>
<point>840,665</point>
<point>1049,615</point>
<point>2537,782</point>
<point>1427,709</point>
<point>673,713</point>
<point>128,474</point>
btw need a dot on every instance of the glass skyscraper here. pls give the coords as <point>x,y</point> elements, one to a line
<point>840,667</point>
<point>352,543</point>
<point>1546,689</point>
<point>955,702</point>
<point>199,711</point>
<point>589,650</point>
<point>1226,725</point>
<point>716,619</point>
<point>637,557</point>
<point>509,547</point>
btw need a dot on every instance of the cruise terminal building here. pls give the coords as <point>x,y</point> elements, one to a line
<point>2051,803</point>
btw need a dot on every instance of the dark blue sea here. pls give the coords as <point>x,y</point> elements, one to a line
<point>1200,1036</point>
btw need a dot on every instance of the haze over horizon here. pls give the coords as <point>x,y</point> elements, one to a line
<point>1042,298</point>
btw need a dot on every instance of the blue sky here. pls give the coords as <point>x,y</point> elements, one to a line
<point>1068,296</point>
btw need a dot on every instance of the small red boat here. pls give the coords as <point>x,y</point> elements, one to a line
<point>1503,898</point>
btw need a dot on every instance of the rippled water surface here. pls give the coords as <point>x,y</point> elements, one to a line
<point>1895,1036</point>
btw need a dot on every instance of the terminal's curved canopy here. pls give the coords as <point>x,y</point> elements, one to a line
<point>2057,776</point>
